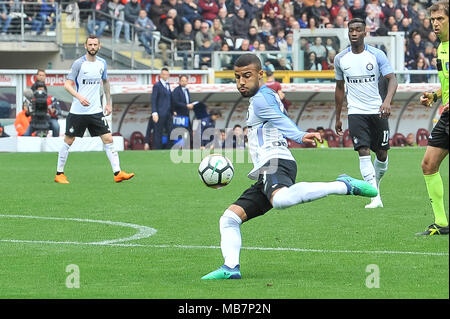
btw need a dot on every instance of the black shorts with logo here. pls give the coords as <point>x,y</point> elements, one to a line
<point>256,200</point>
<point>369,130</point>
<point>76,124</point>
<point>439,136</point>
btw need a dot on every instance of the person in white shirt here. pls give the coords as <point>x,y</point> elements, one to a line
<point>357,71</point>
<point>87,74</point>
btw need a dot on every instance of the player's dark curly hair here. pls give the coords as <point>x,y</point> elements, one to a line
<point>248,59</point>
<point>440,5</point>
<point>357,20</point>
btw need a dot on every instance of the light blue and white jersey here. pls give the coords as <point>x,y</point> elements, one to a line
<point>88,77</point>
<point>268,128</point>
<point>361,73</point>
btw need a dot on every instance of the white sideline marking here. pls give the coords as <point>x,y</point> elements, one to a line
<point>145,232</point>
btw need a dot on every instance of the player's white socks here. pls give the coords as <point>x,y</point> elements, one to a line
<point>230,237</point>
<point>380,169</point>
<point>367,170</point>
<point>62,157</point>
<point>305,192</point>
<point>113,157</point>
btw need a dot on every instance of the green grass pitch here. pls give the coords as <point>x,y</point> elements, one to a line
<point>316,250</point>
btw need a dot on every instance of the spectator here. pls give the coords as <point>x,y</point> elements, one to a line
<point>398,16</point>
<point>145,27</point>
<point>324,143</point>
<point>389,22</point>
<point>415,47</point>
<point>206,54</point>
<point>319,49</point>
<point>241,24</point>
<point>406,27</point>
<point>101,18</point>
<point>410,140</point>
<point>204,34</point>
<point>419,64</point>
<point>131,12</point>
<point>47,14</point>
<point>339,22</point>
<point>271,44</point>
<point>272,5</point>
<point>329,62</point>
<point>225,59</point>
<point>177,21</point>
<point>185,43</point>
<point>227,22</point>
<point>168,33</point>
<point>319,12</point>
<point>253,34</point>
<point>280,41</point>
<point>5,19</point>
<point>234,7</point>
<point>238,137</point>
<point>375,7</point>
<point>357,10</point>
<point>252,10</point>
<point>156,12</point>
<point>388,8</point>
<point>276,22</point>
<point>425,28</point>
<point>299,9</point>
<point>303,20</point>
<point>372,22</point>
<point>217,30</point>
<point>407,10</point>
<point>336,9</point>
<point>2,131</point>
<point>117,12</point>
<point>219,143</point>
<point>209,9</point>
<point>173,4</point>
<point>312,64</point>
<point>190,11</point>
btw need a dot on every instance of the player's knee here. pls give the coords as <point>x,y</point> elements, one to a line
<point>107,139</point>
<point>382,156</point>
<point>282,199</point>
<point>230,218</point>
<point>428,167</point>
<point>363,151</point>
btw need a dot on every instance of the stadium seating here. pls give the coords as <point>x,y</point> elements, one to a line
<point>137,141</point>
<point>398,140</point>
<point>422,137</point>
<point>347,139</point>
<point>332,138</point>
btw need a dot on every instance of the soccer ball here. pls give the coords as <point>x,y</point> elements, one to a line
<point>216,171</point>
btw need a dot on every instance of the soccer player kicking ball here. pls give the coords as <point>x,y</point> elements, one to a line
<point>274,166</point>
<point>86,111</point>
<point>358,67</point>
<point>437,148</point>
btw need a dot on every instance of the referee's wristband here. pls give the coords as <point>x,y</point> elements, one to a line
<point>435,97</point>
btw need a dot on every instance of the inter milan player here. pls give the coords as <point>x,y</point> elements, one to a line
<point>357,71</point>
<point>274,169</point>
<point>86,111</point>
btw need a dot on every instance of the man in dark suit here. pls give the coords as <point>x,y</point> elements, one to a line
<point>181,105</point>
<point>161,110</point>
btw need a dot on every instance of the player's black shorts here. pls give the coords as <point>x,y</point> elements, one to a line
<point>369,130</point>
<point>256,200</point>
<point>439,135</point>
<point>76,124</point>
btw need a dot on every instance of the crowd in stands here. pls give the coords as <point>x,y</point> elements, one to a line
<point>241,25</point>
<point>267,25</point>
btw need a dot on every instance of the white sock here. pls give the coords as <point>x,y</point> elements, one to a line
<point>305,192</point>
<point>113,157</point>
<point>380,169</point>
<point>368,172</point>
<point>62,157</point>
<point>230,237</point>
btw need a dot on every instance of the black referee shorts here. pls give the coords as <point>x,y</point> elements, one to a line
<point>76,124</point>
<point>256,200</point>
<point>439,135</point>
<point>369,130</point>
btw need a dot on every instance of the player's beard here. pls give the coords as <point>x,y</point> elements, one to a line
<point>250,92</point>
<point>93,52</point>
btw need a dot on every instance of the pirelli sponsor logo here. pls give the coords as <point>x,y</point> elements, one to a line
<point>361,79</point>
<point>90,81</point>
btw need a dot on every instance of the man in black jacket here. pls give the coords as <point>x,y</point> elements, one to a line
<point>181,105</point>
<point>161,110</point>
<point>131,11</point>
